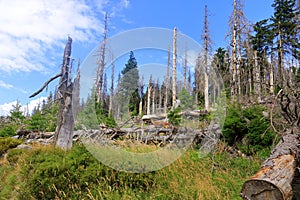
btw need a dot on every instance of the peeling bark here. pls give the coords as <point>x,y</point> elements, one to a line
<point>274,179</point>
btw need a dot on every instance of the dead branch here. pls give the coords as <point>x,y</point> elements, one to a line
<point>45,85</point>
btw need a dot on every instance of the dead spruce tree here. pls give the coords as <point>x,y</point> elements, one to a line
<point>65,119</point>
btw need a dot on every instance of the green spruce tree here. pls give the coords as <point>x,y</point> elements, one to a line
<point>285,28</point>
<point>128,89</point>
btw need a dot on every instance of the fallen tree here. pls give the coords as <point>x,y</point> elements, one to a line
<point>275,177</point>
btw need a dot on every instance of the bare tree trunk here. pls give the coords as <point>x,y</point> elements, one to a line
<point>234,57</point>
<point>76,92</point>
<point>101,63</point>
<point>65,120</point>
<point>206,53</point>
<point>257,78</point>
<point>271,76</point>
<point>160,98</point>
<point>153,100</point>
<point>167,82</point>
<point>184,70</point>
<point>280,61</point>
<point>174,68</point>
<point>141,88</point>
<point>111,87</point>
<point>149,97</point>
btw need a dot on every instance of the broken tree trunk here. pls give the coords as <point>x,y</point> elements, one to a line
<point>274,179</point>
<point>65,119</point>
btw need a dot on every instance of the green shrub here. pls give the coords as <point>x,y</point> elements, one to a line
<point>234,128</point>
<point>8,143</point>
<point>8,130</point>
<point>174,117</point>
<point>248,129</point>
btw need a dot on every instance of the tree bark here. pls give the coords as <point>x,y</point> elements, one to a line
<point>271,76</point>
<point>257,78</point>
<point>101,63</point>
<point>206,52</point>
<point>167,83</point>
<point>274,179</point>
<point>174,68</point>
<point>65,120</point>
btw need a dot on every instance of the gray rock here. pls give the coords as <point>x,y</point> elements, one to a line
<point>24,146</point>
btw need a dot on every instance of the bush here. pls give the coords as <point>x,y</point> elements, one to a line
<point>174,117</point>
<point>8,130</point>
<point>248,129</point>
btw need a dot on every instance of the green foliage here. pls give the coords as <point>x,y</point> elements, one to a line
<point>248,129</point>
<point>8,143</point>
<point>174,117</point>
<point>235,125</point>
<point>53,173</point>
<point>87,117</point>
<point>104,118</point>
<point>37,122</point>
<point>127,96</point>
<point>8,130</point>
<point>16,115</point>
<point>186,100</point>
<point>13,122</point>
<point>50,173</point>
<point>13,155</point>
<point>285,25</point>
<point>45,118</point>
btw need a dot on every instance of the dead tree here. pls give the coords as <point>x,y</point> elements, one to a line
<point>101,63</point>
<point>207,48</point>
<point>185,70</point>
<point>238,29</point>
<point>174,68</point>
<point>167,83</point>
<point>65,119</point>
<point>257,78</point>
<point>111,97</point>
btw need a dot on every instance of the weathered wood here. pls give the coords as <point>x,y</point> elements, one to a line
<point>45,85</point>
<point>274,179</point>
<point>65,120</point>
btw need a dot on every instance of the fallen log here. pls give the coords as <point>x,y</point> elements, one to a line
<point>275,177</point>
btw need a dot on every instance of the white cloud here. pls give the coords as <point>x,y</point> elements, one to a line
<point>33,104</point>
<point>5,85</point>
<point>31,30</point>
<point>7,107</point>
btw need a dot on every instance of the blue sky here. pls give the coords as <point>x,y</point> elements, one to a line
<point>33,33</point>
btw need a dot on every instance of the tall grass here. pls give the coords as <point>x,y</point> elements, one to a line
<point>50,173</point>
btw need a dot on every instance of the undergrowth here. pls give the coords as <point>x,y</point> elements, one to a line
<point>50,173</point>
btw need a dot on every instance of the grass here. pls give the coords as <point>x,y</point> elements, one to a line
<point>50,173</point>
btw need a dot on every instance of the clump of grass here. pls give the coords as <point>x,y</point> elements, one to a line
<point>7,143</point>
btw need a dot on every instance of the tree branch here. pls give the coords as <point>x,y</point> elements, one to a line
<point>45,85</point>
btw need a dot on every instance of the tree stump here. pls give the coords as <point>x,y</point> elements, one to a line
<point>274,179</point>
